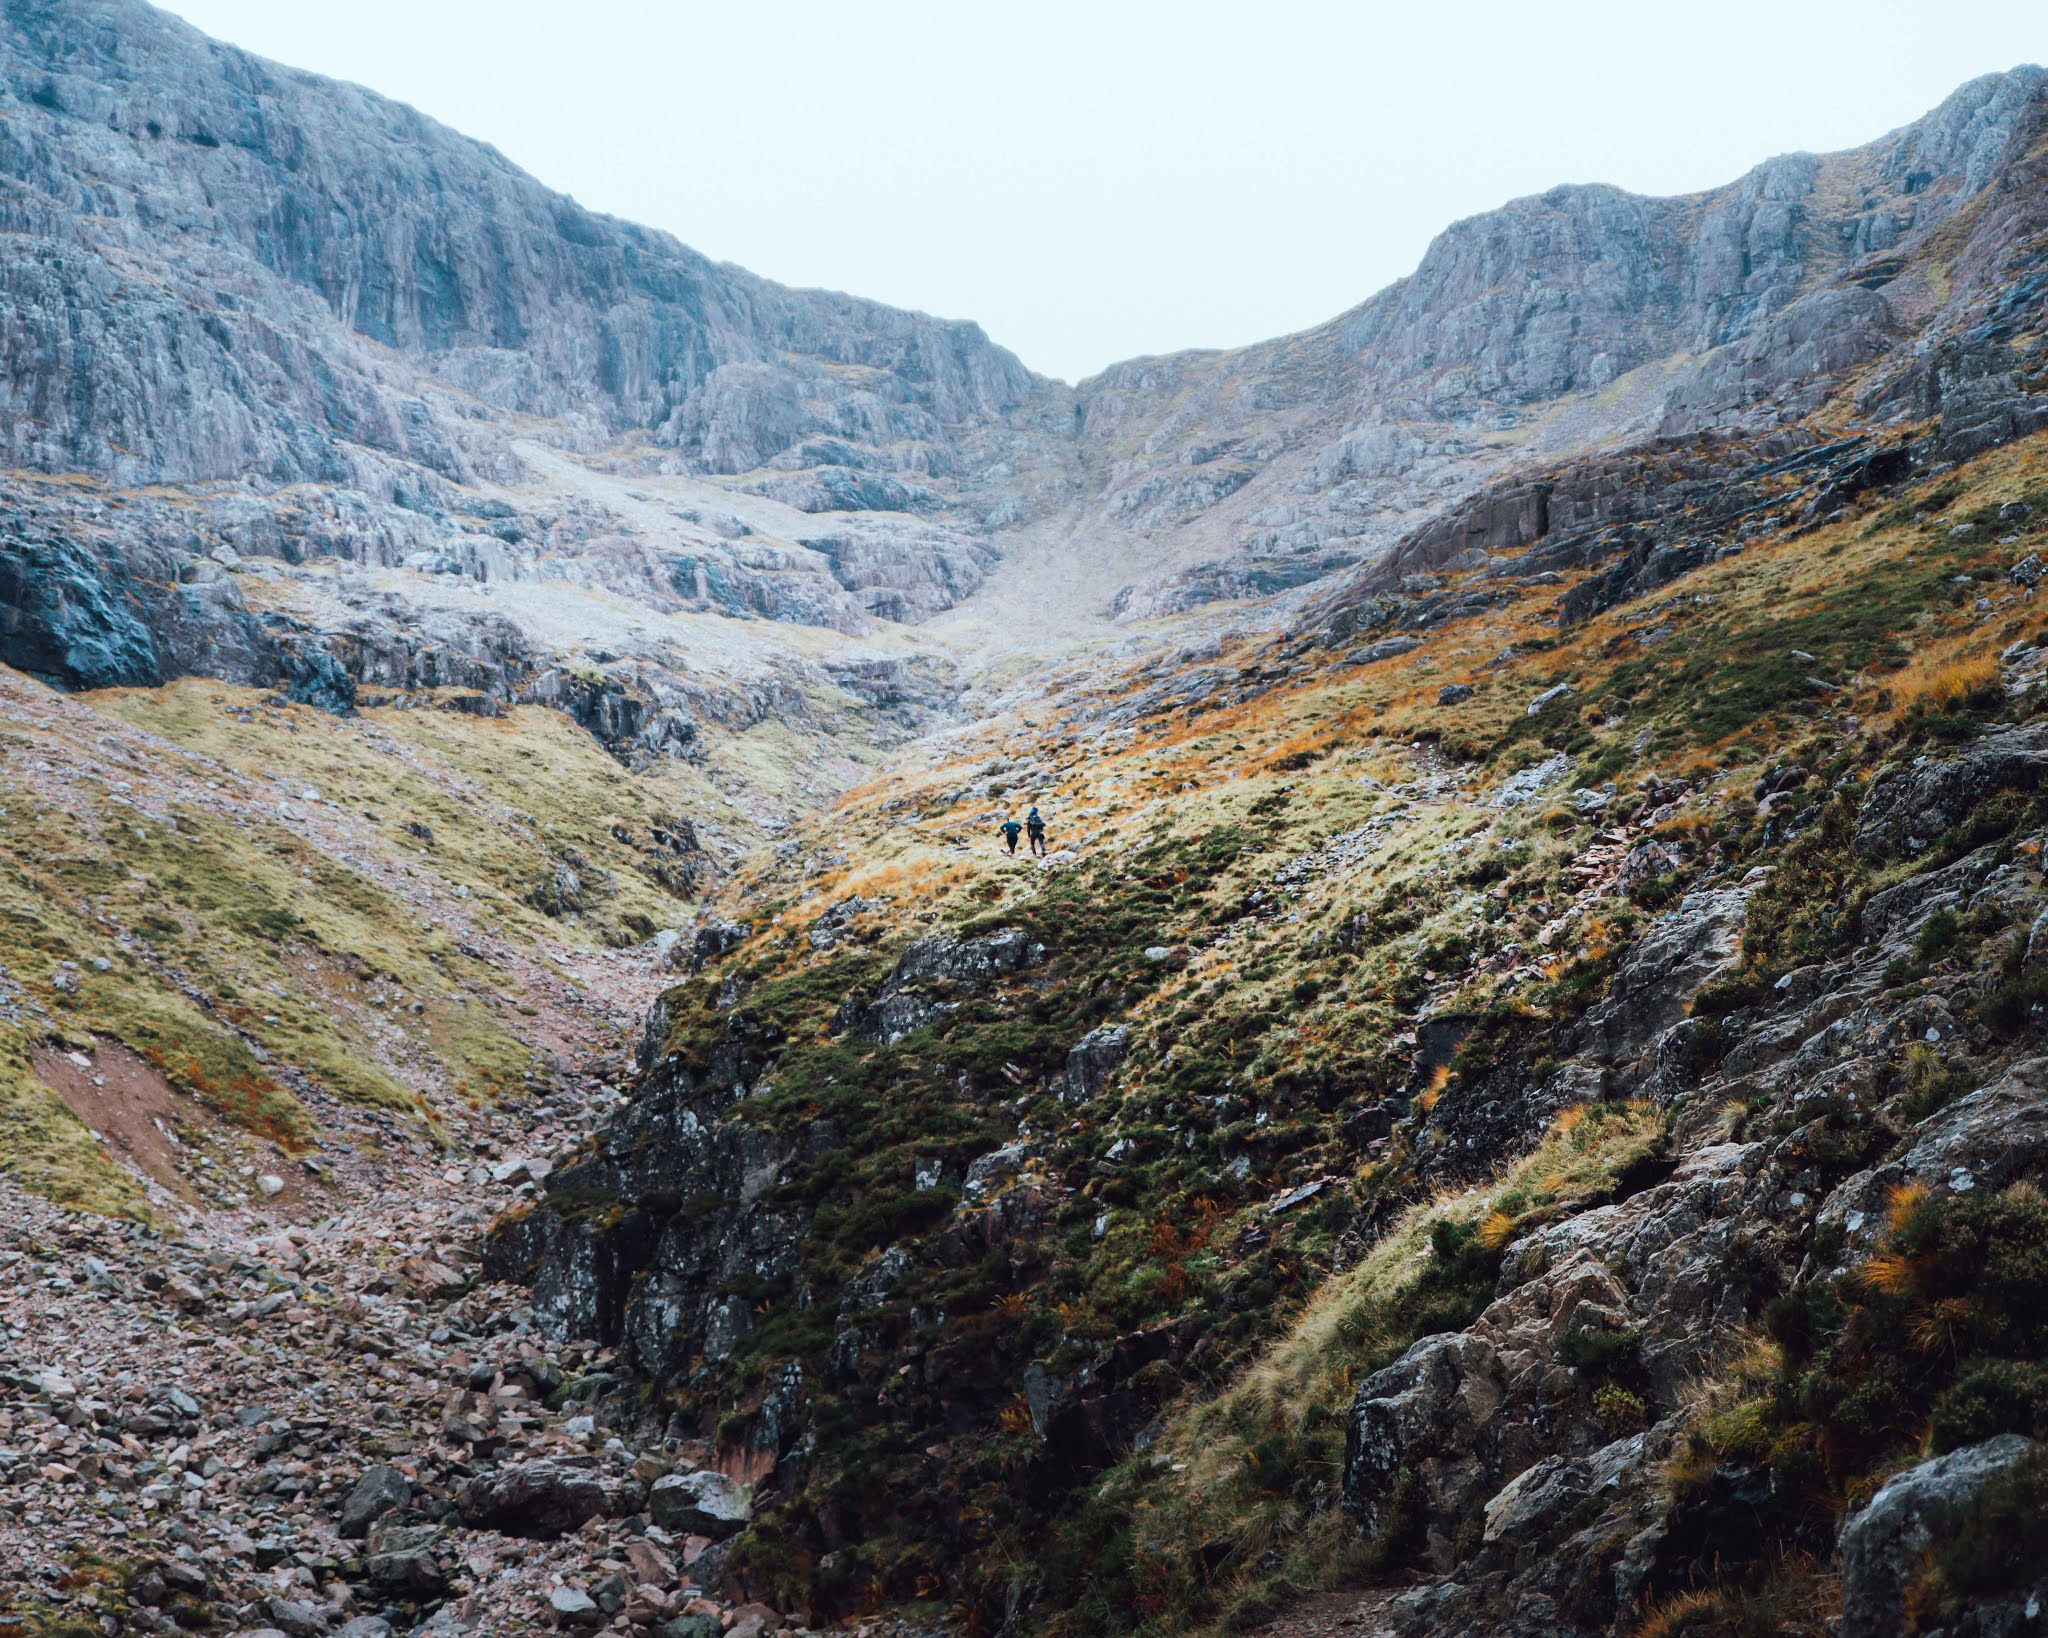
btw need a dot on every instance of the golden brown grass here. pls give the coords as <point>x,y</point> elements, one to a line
<point>1299,1386</point>
<point>1942,678</point>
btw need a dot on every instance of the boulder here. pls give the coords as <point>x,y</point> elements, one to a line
<point>907,999</point>
<point>547,1497</point>
<point>1908,808</point>
<point>1663,971</point>
<point>1092,1060</point>
<point>1387,648</point>
<point>1521,788</point>
<point>294,1617</point>
<point>836,923</point>
<point>382,1489</point>
<point>889,1018</point>
<point>1541,1501</point>
<point>989,1172</point>
<point>1992,1137</point>
<point>404,1560</point>
<point>651,1566</point>
<point>704,1503</point>
<point>1884,1547</point>
<point>752,1621</point>
<point>569,1608</point>
<point>707,941</point>
<point>947,958</point>
<point>1414,1431</point>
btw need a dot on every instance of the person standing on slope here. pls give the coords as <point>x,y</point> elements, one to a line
<point>1011,831</point>
<point>1036,826</point>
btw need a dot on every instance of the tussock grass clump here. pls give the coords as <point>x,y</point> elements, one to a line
<point>1944,678</point>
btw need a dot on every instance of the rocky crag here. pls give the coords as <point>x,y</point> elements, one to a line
<point>256,314</point>
<point>1532,1119</point>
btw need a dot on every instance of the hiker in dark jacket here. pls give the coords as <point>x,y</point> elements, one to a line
<point>1011,831</point>
<point>1036,826</point>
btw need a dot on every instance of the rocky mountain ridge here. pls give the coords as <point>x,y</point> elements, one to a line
<point>1575,319</point>
<point>254,309</point>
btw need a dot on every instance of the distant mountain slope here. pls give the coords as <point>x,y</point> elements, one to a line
<point>247,313</point>
<point>1556,324</point>
<point>241,249</point>
<point>245,307</point>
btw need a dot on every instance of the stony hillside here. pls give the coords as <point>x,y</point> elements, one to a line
<point>1538,1116</point>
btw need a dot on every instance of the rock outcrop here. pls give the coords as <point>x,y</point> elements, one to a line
<point>1886,1545</point>
<point>344,331</point>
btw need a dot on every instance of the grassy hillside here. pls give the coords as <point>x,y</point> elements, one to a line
<point>267,903</point>
<point>1110,1384</point>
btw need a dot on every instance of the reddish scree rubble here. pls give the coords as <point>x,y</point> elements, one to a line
<point>332,1428</point>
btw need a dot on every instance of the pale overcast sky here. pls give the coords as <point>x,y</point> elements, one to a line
<point>1096,180</point>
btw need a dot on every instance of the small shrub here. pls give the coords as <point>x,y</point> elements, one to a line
<point>1993,1396</point>
<point>1938,935</point>
<point>1619,1412</point>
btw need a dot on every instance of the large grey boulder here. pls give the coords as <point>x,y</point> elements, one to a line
<point>1992,1137</point>
<point>569,1607</point>
<point>1893,916</point>
<point>1657,980</point>
<point>1541,1500</point>
<point>947,958</point>
<point>547,1497</point>
<point>407,1560</point>
<point>1884,1546</point>
<point>988,1173</point>
<point>832,928</point>
<point>704,1503</point>
<point>928,970</point>
<point>1909,808</point>
<point>1093,1059</point>
<point>707,941</point>
<point>382,1489</point>
<point>1414,1435</point>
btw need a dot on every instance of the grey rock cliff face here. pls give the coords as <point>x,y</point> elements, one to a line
<point>1538,329</point>
<point>270,314</point>
<point>297,219</point>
